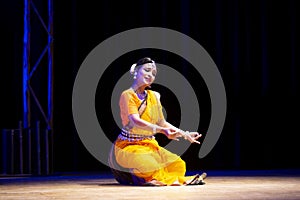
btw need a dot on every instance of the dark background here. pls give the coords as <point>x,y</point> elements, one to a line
<point>254,43</point>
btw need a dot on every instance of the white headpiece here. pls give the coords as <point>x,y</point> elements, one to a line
<point>132,68</point>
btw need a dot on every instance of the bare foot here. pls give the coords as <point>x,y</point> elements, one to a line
<point>203,176</point>
<point>197,180</point>
<point>189,182</point>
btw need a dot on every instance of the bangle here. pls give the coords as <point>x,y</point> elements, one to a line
<point>154,128</point>
<point>185,134</point>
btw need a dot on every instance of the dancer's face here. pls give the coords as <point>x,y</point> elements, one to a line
<point>146,74</point>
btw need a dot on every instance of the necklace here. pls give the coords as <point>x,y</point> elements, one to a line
<point>141,96</point>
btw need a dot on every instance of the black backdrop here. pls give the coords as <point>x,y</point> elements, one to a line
<point>255,45</point>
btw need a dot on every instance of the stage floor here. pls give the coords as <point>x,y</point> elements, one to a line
<point>232,185</point>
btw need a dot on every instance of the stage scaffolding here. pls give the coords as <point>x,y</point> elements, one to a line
<point>28,71</point>
<point>28,149</point>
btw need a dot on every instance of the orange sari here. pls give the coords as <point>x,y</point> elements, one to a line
<point>143,155</point>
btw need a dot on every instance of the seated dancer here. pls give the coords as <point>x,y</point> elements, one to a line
<point>136,157</point>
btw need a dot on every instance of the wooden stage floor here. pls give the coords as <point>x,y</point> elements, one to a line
<point>234,185</point>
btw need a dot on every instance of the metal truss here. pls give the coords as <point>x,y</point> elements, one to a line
<point>29,69</point>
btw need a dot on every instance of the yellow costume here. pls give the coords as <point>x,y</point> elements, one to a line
<point>136,148</point>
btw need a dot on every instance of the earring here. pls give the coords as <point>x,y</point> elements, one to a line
<point>134,75</point>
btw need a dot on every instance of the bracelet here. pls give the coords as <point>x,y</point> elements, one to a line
<point>185,134</point>
<point>154,128</point>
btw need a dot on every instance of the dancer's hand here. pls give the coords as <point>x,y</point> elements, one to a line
<point>171,133</point>
<point>192,136</point>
